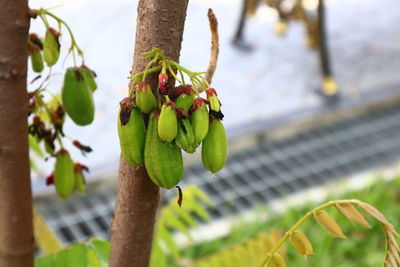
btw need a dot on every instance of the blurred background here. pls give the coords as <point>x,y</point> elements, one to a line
<point>298,133</point>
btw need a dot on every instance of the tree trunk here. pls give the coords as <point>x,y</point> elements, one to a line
<point>16,230</point>
<point>159,24</point>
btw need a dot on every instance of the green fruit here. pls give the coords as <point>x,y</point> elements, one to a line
<point>214,147</point>
<point>37,61</point>
<point>51,47</point>
<point>167,124</point>
<point>199,119</point>
<point>89,77</point>
<point>132,138</point>
<point>77,97</point>
<point>64,175</point>
<point>163,160</point>
<point>185,137</point>
<point>80,183</point>
<point>184,101</point>
<point>145,98</point>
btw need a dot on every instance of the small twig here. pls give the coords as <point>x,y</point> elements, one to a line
<point>212,65</point>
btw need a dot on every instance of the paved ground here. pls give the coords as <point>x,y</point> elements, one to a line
<point>276,78</point>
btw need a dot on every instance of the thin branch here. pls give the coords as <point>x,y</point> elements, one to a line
<point>212,65</point>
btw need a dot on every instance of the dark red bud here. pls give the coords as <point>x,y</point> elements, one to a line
<point>163,78</point>
<point>210,92</point>
<point>79,168</point>
<point>62,152</point>
<point>84,149</point>
<point>142,86</point>
<point>198,103</point>
<point>50,179</point>
<point>34,39</point>
<point>37,120</point>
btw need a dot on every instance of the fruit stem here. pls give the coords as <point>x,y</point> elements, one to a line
<point>42,12</point>
<point>172,72</point>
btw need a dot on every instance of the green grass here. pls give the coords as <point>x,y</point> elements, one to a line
<point>364,247</point>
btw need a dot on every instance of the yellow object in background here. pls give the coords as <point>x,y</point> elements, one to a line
<point>329,86</point>
<point>45,239</point>
<point>280,27</point>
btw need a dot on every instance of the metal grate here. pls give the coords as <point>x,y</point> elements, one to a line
<point>259,174</point>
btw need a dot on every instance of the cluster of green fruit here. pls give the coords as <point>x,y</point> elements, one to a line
<point>48,116</point>
<point>177,119</point>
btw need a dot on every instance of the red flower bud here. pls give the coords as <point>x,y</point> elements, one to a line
<point>50,179</point>
<point>163,78</point>
<point>210,92</point>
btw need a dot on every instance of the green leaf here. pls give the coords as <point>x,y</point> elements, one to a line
<point>173,222</point>
<point>93,261</point>
<point>184,214</point>
<point>158,257</point>
<point>165,236</point>
<point>61,258</point>
<point>44,261</point>
<point>199,194</point>
<point>102,250</point>
<point>199,210</point>
<point>77,256</point>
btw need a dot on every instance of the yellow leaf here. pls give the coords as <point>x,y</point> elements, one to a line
<point>277,261</point>
<point>374,213</point>
<point>329,224</point>
<point>352,213</point>
<point>301,243</point>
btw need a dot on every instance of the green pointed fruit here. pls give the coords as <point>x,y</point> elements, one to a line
<point>37,61</point>
<point>185,137</point>
<point>214,147</point>
<point>199,119</point>
<point>185,101</point>
<point>80,183</point>
<point>89,77</point>
<point>163,160</point>
<point>64,175</point>
<point>132,137</point>
<point>168,123</point>
<point>77,97</point>
<point>212,98</point>
<point>145,98</point>
<point>51,47</point>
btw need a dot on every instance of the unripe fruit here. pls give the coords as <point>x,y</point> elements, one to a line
<point>185,137</point>
<point>167,123</point>
<point>214,147</point>
<point>64,175</point>
<point>184,101</point>
<point>51,47</point>
<point>77,97</point>
<point>199,119</point>
<point>132,138</point>
<point>163,160</point>
<point>80,183</point>
<point>37,61</point>
<point>89,76</point>
<point>145,98</point>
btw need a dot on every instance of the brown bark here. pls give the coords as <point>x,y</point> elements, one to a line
<point>159,24</point>
<point>16,230</point>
